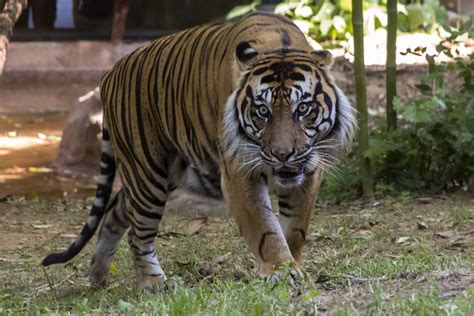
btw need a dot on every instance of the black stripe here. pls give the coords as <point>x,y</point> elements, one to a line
<point>283,204</point>
<point>147,236</point>
<point>302,232</point>
<point>285,214</point>
<point>285,38</point>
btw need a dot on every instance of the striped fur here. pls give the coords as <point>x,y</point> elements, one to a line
<point>228,109</point>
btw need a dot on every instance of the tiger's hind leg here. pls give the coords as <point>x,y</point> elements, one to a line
<point>113,228</point>
<point>146,195</point>
<point>141,239</point>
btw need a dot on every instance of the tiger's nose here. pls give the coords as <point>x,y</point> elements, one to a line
<point>283,154</point>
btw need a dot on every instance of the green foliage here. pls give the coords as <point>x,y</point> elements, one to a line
<point>345,182</point>
<point>320,19</point>
<point>434,145</point>
<point>241,10</point>
<point>324,20</point>
<point>329,19</point>
<point>421,16</point>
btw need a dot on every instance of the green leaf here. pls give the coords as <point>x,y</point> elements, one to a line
<point>124,306</point>
<point>339,24</point>
<point>304,25</point>
<point>241,10</point>
<point>415,15</point>
<point>308,296</point>
<point>346,5</point>
<point>304,11</point>
<point>325,13</point>
<point>423,87</point>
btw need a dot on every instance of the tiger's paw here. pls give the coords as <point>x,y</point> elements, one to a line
<point>157,284</point>
<point>292,273</point>
<point>98,279</point>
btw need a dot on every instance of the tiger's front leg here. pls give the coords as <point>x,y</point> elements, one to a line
<point>250,205</point>
<point>296,207</point>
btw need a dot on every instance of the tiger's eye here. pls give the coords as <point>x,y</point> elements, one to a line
<point>263,110</point>
<point>302,108</point>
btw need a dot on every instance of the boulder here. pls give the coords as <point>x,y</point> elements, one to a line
<point>79,150</point>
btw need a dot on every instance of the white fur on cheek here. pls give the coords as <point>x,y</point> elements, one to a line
<point>347,120</point>
<point>231,139</point>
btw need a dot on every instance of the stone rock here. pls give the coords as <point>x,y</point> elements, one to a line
<point>79,150</point>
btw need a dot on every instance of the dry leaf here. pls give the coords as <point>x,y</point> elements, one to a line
<point>41,226</point>
<point>376,204</point>
<point>68,235</point>
<point>182,264</point>
<point>363,232</point>
<point>424,200</point>
<point>195,225</point>
<point>220,259</point>
<point>445,234</point>
<point>458,243</point>
<point>113,270</point>
<point>422,225</point>
<point>401,240</point>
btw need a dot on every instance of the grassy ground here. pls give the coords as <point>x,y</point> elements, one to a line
<point>398,256</point>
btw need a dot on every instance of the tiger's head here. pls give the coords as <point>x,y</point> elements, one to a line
<point>285,117</point>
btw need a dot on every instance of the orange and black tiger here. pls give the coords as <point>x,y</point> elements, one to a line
<point>237,110</point>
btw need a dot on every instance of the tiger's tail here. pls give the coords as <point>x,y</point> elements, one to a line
<point>102,196</point>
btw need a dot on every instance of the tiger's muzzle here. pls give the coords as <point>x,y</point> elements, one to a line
<point>288,164</point>
<point>289,169</point>
<point>288,175</point>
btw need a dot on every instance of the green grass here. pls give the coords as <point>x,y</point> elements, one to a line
<point>355,258</point>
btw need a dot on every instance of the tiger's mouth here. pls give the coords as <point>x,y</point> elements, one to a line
<point>288,176</point>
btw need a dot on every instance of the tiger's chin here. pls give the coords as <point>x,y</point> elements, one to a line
<point>289,177</point>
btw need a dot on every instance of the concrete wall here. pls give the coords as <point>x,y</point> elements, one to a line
<point>53,61</point>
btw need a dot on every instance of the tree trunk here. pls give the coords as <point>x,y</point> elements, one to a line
<point>361,98</point>
<point>391,65</point>
<point>119,20</point>
<point>10,10</point>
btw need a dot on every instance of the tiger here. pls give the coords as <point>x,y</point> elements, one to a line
<point>239,111</point>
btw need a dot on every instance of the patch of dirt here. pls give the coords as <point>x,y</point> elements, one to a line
<point>29,223</point>
<point>359,291</point>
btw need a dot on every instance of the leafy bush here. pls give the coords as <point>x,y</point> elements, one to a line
<point>324,20</point>
<point>320,20</point>
<point>433,148</point>
<point>329,19</point>
<point>420,15</point>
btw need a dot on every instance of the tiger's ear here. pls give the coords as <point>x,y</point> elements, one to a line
<point>323,58</point>
<point>245,54</point>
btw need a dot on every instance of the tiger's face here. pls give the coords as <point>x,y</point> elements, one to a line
<point>291,116</point>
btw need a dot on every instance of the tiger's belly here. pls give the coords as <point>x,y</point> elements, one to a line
<point>201,177</point>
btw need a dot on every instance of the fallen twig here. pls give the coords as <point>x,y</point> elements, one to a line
<point>325,278</point>
<point>360,279</point>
